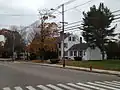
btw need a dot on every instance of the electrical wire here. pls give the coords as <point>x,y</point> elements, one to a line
<point>75,7</point>
<point>78,5</point>
<point>19,14</point>
<point>73,23</point>
<point>69,2</point>
<point>117,15</point>
<point>72,26</point>
<point>116,21</point>
<point>66,3</point>
<point>76,22</point>
<point>117,18</point>
<point>78,26</point>
<point>116,11</point>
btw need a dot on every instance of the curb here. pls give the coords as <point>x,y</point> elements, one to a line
<point>86,69</point>
<point>117,73</point>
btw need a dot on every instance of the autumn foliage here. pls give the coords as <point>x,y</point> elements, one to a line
<point>45,41</point>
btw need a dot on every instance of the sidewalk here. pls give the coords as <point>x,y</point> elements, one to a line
<point>80,68</point>
<point>86,69</point>
<point>5,59</point>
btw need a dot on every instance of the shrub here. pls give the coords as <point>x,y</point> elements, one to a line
<point>37,61</point>
<point>32,56</point>
<point>54,61</point>
<point>77,58</point>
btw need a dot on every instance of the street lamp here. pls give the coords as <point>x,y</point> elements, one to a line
<point>62,48</point>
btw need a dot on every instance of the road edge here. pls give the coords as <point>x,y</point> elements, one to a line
<point>117,73</point>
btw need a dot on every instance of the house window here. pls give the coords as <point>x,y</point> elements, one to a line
<point>59,45</point>
<point>84,52</point>
<point>59,53</point>
<point>73,38</point>
<point>71,53</point>
<point>80,53</point>
<point>75,53</point>
<point>65,45</point>
<point>69,39</point>
<point>66,53</point>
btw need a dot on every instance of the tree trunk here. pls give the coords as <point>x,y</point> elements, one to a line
<point>103,50</point>
<point>103,55</point>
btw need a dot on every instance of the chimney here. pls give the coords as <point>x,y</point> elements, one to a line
<point>80,39</point>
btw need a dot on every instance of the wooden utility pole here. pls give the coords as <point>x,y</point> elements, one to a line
<point>62,48</point>
<point>13,47</point>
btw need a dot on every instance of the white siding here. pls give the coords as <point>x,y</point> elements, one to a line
<point>92,54</point>
<point>70,44</point>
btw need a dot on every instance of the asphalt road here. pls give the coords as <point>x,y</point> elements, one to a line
<point>20,74</point>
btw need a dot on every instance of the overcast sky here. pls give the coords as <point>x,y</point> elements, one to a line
<point>28,9</point>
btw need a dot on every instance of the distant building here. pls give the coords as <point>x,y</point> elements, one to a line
<point>74,47</point>
<point>69,41</point>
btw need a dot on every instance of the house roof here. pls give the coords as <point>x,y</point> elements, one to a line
<point>79,47</point>
<point>59,39</point>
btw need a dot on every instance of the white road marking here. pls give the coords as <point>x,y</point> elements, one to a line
<point>30,88</point>
<point>66,87</point>
<point>97,85</point>
<point>108,84</point>
<point>6,88</point>
<point>93,87</point>
<point>104,86</point>
<point>18,88</point>
<point>77,86</point>
<point>54,87</point>
<point>43,87</point>
<point>112,83</point>
<point>116,82</point>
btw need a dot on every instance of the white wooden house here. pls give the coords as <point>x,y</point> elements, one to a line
<point>74,47</point>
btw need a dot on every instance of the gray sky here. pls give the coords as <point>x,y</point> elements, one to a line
<point>29,10</point>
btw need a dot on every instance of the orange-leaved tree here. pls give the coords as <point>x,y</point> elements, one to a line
<point>46,40</point>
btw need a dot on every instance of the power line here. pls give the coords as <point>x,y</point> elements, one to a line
<point>78,26</point>
<point>117,15</point>
<point>72,29</point>
<point>73,23</point>
<point>66,3</point>
<point>55,9</point>
<point>117,18</point>
<point>19,14</point>
<point>70,1</point>
<point>75,29</point>
<point>73,7</point>
<point>116,11</point>
<point>116,21</point>
<point>78,5</point>
<point>73,26</point>
<point>76,22</point>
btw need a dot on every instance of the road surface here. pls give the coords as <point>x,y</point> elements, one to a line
<point>26,76</point>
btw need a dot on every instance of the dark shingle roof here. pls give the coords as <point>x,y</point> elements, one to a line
<point>78,47</point>
<point>59,39</point>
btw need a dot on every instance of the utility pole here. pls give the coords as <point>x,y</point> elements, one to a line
<point>63,36</point>
<point>62,33</point>
<point>13,46</point>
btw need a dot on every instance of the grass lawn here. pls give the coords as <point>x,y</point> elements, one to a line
<point>101,64</point>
